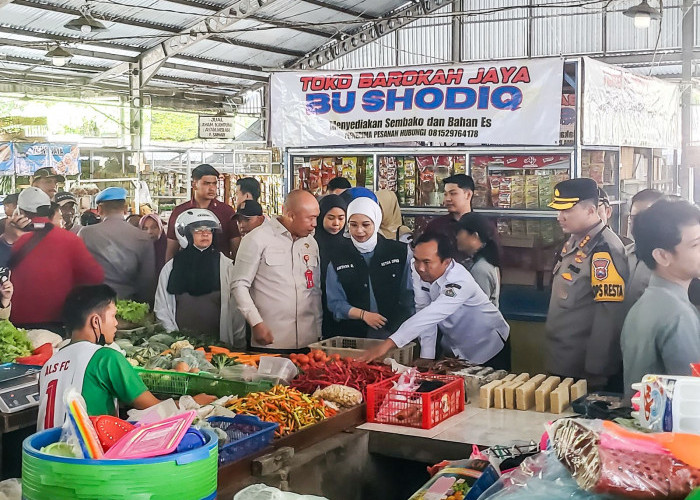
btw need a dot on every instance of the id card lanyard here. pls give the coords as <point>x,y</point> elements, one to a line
<point>308,274</point>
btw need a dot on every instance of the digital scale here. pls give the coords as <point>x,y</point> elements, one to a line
<point>19,387</point>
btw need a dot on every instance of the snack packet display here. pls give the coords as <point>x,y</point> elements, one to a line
<point>426,178</point>
<point>369,173</point>
<point>532,191</point>
<point>315,176</point>
<point>328,172</point>
<point>409,168</point>
<point>350,169</point>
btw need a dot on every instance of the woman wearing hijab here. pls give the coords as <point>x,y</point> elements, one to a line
<point>475,237</point>
<point>330,225</point>
<point>152,224</point>
<point>368,285</point>
<point>392,227</point>
<point>194,288</point>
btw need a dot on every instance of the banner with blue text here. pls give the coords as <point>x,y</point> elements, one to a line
<point>505,103</point>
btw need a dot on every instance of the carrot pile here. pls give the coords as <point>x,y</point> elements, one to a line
<point>291,409</point>
<point>349,372</point>
<point>241,357</point>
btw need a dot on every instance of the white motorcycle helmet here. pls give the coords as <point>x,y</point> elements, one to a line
<point>194,218</point>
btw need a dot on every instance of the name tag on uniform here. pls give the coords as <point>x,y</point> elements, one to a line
<point>389,262</point>
<point>606,282</point>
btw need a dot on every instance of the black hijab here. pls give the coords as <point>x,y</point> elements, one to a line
<point>196,271</point>
<point>326,241</point>
<point>326,204</point>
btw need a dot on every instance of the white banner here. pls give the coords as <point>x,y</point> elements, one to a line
<point>216,127</point>
<point>621,108</point>
<point>512,102</point>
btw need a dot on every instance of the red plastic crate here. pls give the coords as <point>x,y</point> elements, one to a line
<point>423,410</point>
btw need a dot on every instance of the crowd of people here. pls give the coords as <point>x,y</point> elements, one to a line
<point>346,265</point>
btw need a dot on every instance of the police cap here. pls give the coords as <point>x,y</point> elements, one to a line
<point>569,193</point>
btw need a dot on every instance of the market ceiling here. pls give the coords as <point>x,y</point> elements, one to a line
<point>207,52</point>
<point>204,54</point>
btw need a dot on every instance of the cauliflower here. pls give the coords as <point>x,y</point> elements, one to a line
<point>180,345</point>
<point>41,337</point>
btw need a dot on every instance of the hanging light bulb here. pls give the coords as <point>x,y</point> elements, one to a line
<point>642,14</point>
<point>59,56</point>
<point>85,23</point>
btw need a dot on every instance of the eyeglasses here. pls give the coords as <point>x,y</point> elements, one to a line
<point>201,230</point>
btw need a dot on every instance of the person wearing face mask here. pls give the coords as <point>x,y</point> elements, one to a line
<point>330,226</point>
<point>369,280</point>
<point>194,288</point>
<point>103,375</point>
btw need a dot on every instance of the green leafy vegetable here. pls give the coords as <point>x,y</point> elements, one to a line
<point>13,342</point>
<point>222,360</point>
<point>131,311</point>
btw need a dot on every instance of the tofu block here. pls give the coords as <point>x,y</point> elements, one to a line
<point>525,394</point>
<point>567,382</point>
<point>486,394</point>
<point>542,393</point>
<point>509,393</point>
<point>509,390</point>
<point>579,389</point>
<point>498,393</point>
<point>559,400</point>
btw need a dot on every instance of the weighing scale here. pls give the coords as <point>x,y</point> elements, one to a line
<point>19,387</point>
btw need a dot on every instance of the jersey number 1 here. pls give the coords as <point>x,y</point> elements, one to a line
<point>50,404</point>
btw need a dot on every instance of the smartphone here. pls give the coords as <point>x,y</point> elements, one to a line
<point>4,274</point>
<point>29,227</point>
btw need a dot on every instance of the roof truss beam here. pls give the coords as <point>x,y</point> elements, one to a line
<point>370,33</point>
<point>153,59</point>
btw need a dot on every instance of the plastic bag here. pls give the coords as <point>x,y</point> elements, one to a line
<point>195,359</point>
<point>264,492</point>
<point>78,430</point>
<point>395,404</point>
<point>11,489</point>
<point>605,458</point>
<point>342,395</point>
<point>541,477</point>
<point>162,362</point>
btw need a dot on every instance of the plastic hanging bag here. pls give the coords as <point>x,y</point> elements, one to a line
<point>78,430</point>
<point>541,477</point>
<point>11,489</point>
<point>194,359</point>
<point>605,458</point>
<point>264,492</point>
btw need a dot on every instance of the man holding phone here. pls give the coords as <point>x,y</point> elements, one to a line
<point>46,255</point>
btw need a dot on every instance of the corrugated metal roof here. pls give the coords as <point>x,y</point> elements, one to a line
<point>497,29</point>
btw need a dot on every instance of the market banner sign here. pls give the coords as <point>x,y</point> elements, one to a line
<point>216,127</point>
<point>64,159</point>
<point>512,102</point>
<point>7,163</point>
<point>621,108</point>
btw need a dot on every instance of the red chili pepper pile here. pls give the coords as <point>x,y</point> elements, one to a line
<point>347,372</point>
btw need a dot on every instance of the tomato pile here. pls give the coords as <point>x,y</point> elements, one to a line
<point>314,359</point>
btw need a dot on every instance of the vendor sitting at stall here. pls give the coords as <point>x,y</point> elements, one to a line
<point>448,298</point>
<point>102,374</point>
<point>368,284</point>
<point>194,288</point>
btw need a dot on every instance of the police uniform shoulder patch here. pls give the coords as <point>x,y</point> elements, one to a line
<point>606,282</point>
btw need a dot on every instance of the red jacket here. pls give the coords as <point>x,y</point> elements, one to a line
<point>44,277</point>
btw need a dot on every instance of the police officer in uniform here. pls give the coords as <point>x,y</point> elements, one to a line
<point>588,287</point>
